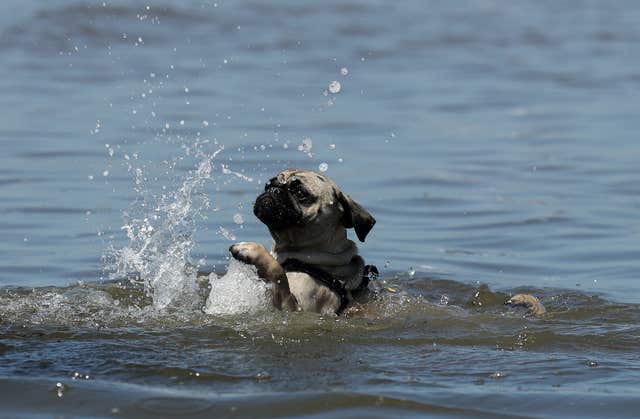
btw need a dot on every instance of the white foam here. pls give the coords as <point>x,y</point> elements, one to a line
<point>238,291</point>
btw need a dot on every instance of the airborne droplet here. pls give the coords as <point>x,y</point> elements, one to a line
<point>335,87</point>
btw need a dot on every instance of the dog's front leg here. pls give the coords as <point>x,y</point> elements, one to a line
<point>268,269</point>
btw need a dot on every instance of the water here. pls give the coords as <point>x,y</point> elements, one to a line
<point>493,141</point>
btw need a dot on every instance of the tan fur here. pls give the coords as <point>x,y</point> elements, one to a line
<point>268,269</point>
<point>528,301</point>
<point>322,242</point>
<point>312,296</point>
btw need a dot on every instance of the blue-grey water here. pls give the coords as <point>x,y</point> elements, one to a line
<point>495,142</point>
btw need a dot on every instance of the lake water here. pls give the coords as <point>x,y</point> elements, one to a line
<point>494,141</point>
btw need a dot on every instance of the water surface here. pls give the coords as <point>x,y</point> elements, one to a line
<point>495,143</point>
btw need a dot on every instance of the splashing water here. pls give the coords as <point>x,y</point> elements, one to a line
<point>335,87</point>
<point>161,240</point>
<point>238,219</point>
<point>238,291</point>
<point>306,146</point>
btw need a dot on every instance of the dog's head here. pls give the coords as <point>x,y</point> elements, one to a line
<point>306,203</point>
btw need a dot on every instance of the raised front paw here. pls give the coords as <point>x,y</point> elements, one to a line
<point>534,305</point>
<point>247,252</point>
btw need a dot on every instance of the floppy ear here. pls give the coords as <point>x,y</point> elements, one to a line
<point>355,216</point>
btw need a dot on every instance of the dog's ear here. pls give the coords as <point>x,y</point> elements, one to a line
<point>355,216</point>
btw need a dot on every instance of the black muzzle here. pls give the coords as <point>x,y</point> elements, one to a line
<point>277,208</point>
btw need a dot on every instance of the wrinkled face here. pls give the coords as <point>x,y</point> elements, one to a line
<point>298,198</point>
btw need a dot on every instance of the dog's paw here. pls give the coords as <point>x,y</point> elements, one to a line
<point>247,252</point>
<point>530,302</point>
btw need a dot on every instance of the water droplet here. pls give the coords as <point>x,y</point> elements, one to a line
<point>226,234</point>
<point>238,219</point>
<point>263,375</point>
<point>344,71</point>
<point>60,389</point>
<point>323,167</point>
<point>444,300</point>
<point>498,374</point>
<point>332,146</point>
<point>306,146</point>
<point>205,123</point>
<point>335,87</point>
<point>182,122</point>
<point>105,173</point>
<point>411,272</point>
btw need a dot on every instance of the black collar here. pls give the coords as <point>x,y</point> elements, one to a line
<point>330,281</point>
<point>322,276</point>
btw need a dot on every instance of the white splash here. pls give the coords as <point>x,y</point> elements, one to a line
<point>227,171</point>
<point>238,219</point>
<point>238,291</point>
<point>226,233</point>
<point>306,146</point>
<point>161,240</point>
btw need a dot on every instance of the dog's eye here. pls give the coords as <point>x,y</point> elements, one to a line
<point>300,194</point>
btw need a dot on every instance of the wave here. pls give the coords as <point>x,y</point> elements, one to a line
<point>63,27</point>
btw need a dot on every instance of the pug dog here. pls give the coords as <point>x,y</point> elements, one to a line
<point>313,265</point>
